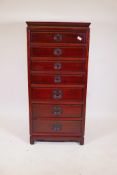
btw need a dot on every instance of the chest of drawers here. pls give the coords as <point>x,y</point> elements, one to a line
<point>57,80</point>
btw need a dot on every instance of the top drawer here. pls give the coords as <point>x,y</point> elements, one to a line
<point>75,37</point>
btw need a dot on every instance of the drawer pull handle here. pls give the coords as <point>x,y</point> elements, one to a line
<point>57,51</point>
<point>79,38</point>
<point>57,110</point>
<point>57,66</point>
<point>57,79</point>
<point>57,94</point>
<point>58,37</point>
<point>56,127</point>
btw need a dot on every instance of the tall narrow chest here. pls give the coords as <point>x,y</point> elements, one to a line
<point>57,80</point>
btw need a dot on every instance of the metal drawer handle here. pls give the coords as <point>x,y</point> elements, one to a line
<point>57,110</point>
<point>57,51</point>
<point>57,94</point>
<point>57,79</point>
<point>56,127</point>
<point>58,37</point>
<point>57,66</point>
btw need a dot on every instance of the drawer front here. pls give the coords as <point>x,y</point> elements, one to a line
<point>56,111</point>
<point>57,79</point>
<point>57,93</point>
<point>58,66</point>
<point>56,127</point>
<point>58,37</point>
<point>58,52</point>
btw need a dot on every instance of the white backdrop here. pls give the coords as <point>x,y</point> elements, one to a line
<point>102,80</point>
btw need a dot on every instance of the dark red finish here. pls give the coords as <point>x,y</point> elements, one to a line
<point>63,37</point>
<point>66,51</point>
<point>47,126</point>
<point>57,80</point>
<point>68,111</point>
<point>37,78</point>
<point>77,66</point>
<point>47,93</point>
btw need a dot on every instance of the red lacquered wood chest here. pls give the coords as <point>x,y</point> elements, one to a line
<point>57,80</point>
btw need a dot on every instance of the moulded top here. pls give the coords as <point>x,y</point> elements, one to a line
<point>59,24</point>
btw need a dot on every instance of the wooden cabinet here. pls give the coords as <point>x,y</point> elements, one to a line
<point>57,80</point>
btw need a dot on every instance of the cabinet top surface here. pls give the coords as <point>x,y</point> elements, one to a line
<point>59,24</point>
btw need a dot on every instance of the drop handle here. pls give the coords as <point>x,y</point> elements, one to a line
<point>58,37</point>
<point>57,94</point>
<point>57,110</point>
<point>57,79</point>
<point>57,66</point>
<point>57,51</point>
<point>56,127</point>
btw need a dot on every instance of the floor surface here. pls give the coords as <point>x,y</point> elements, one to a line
<point>97,157</point>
